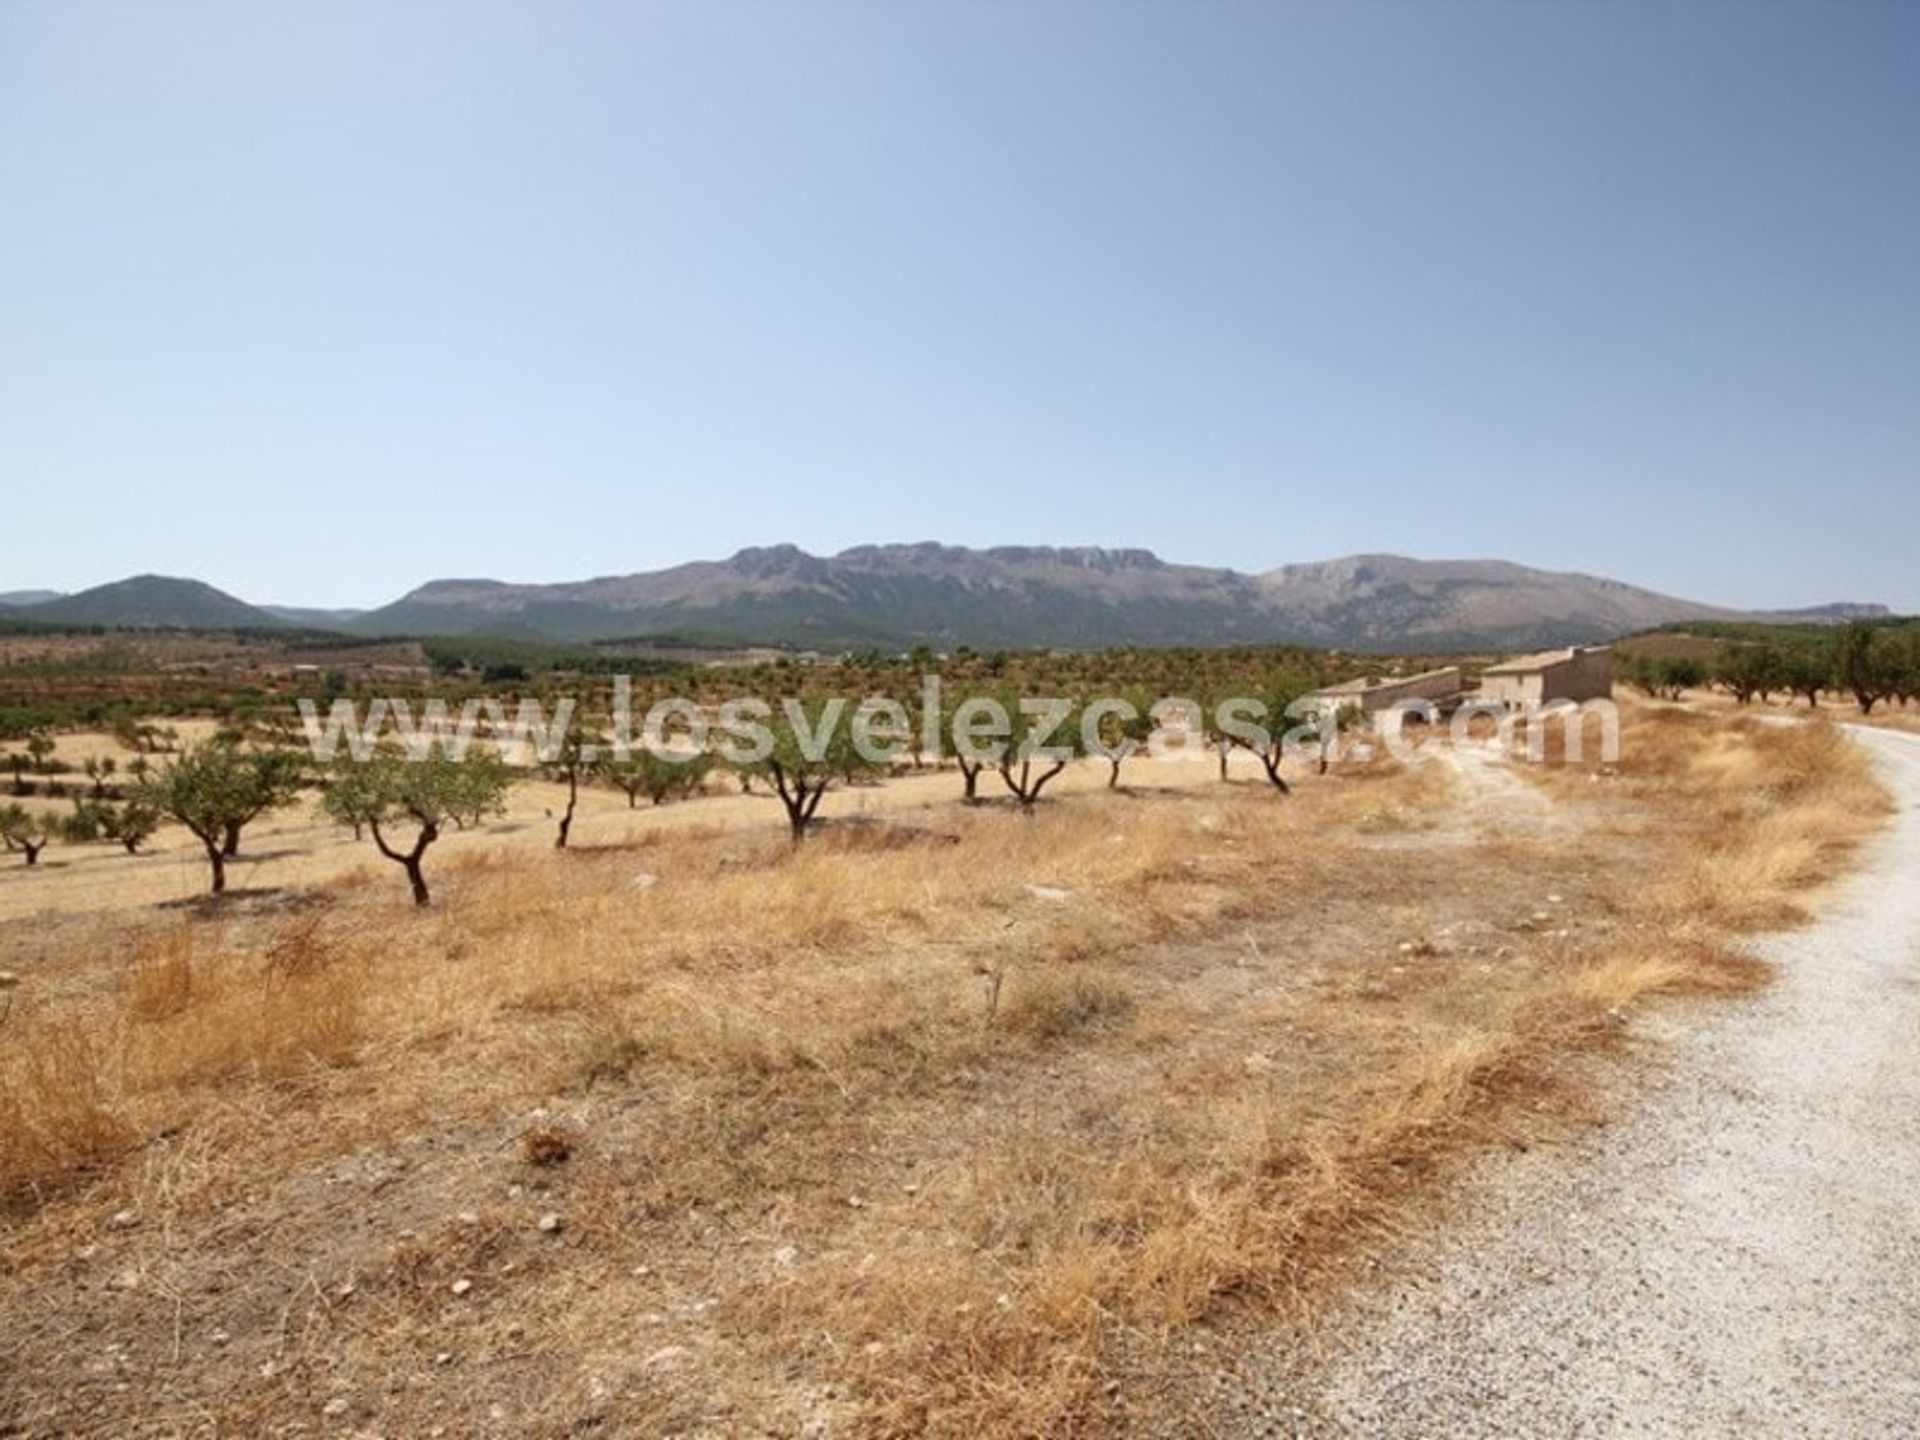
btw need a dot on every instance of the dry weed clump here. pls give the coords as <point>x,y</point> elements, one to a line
<point>1051,1003</point>
<point>62,1117</point>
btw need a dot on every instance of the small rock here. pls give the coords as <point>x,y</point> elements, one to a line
<point>8,979</point>
<point>123,1220</point>
<point>667,1357</point>
<point>445,1357</point>
<point>785,1256</point>
<point>336,1407</point>
<point>550,1224</point>
<point>468,1217</point>
<point>854,1202</point>
<point>911,1188</point>
<point>1554,900</point>
<point>219,1337</point>
<point>1052,894</point>
<point>462,1286</point>
<point>645,880</point>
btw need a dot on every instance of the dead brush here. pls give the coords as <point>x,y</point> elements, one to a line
<point>546,1145</point>
<point>62,1113</point>
<point>1051,1004</point>
<point>160,980</point>
<point>202,1016</point>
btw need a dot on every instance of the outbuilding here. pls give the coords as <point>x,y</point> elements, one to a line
<point>1580,672</point>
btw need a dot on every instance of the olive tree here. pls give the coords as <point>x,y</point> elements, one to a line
<point>1665,677</point>
<point>1749,671</point>
<point>216,790</point>
<point>1861,665</point>
<point>390,793</point>
<point>1804,670</point>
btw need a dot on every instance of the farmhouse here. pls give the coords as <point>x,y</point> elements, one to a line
<point>1372,693</point>
<point>1582,672</point>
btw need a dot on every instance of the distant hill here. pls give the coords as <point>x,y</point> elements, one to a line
<point>306,618</point>
<point>893,595</point>
<point>12,598</point>
<point>1012,597</point>
<point>153,602</point>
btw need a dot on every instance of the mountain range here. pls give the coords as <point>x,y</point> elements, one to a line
<point>892,596</point>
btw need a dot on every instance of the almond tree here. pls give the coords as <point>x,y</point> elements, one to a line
<point>812,747</point>
<point>1123,733</point>
<point>390,793</point>
<point>658,777</point>
<point>215,790</point>
<point>23,831</point>
<point>128,824</point>
<point>577,756</point>
<point>1044,740</point>
<point>960,745</point>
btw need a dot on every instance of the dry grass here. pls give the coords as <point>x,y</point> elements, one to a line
<point>951,1125</point>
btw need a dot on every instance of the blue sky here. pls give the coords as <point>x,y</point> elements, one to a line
<point>317,302</point>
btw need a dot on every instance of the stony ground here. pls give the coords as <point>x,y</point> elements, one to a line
<point>1741,1257</point>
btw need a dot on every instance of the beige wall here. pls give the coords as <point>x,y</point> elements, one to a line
<point>1586,674</point>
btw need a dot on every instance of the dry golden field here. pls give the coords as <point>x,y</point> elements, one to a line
<point>947,1121</point>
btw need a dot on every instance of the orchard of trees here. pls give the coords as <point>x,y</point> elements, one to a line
<point>219,788</point>
<point>1868,664</point>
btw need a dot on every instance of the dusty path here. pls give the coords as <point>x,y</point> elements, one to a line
<point>1741,1257</point>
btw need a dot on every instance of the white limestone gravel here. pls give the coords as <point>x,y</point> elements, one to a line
<point>1739,1256</point>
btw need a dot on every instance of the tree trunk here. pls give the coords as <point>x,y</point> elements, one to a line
<point>970,775</point>
<point>1271,763</point>
<point>1223,762</point>
<point>1113,774</point>
<point>218,859</point>
<point>33,849</point>
<point>416,879</point>
<point>230,842</point>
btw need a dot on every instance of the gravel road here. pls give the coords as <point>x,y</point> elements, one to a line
<point>1740,1257</point>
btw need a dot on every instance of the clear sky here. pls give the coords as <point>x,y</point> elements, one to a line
<point>317,302</point>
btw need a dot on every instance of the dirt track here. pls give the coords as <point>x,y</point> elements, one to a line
<point>1741,1257</point>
